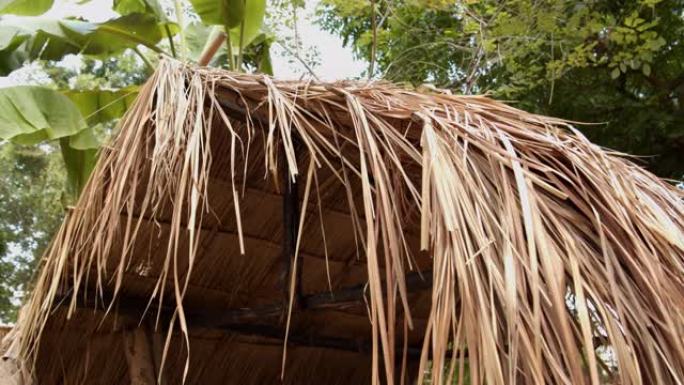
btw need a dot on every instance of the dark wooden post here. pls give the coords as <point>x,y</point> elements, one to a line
<point>290,230</point>
<point>156,340</point>
<point>139,358</point>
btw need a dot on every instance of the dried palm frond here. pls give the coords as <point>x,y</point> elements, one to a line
<point>554,261</point>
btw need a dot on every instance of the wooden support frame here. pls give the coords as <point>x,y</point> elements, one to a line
<point>254,321</point>
<point>348,297</point>
<point>311,340</point>
<point>249,321</point>
<point>291,215</point>
<point>344,298</point>
<point>139,357</point>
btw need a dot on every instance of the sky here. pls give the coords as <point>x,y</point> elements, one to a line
<point>336,61</point>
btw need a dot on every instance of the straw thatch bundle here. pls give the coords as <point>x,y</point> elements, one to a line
<point>435,231</point>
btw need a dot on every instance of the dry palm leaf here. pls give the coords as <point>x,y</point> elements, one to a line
<point>554,261</point>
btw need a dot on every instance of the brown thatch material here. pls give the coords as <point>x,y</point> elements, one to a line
<point>457,233</point>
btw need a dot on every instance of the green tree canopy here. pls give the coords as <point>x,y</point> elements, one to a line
<point>31,191</point>
<point>614,63</point>
<point>35,186</point>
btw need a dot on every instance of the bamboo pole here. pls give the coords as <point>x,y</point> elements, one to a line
<point>211,48</point>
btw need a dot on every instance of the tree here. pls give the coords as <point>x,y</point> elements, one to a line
<point>614,63</point>
<point>70,115</point>
<point>33,188</point>
<point>31,192</point>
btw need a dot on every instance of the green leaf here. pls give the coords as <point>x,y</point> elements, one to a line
<point>100,106</point>
<point>197,36</point>
<point>615,73</point>
<point>11,57</point>
<point>152,7</point>
<point>115,35</point>
<point>617,37</point>
<point>79,164</point>
<point>646,69</point>
<point>254,18</point>
<point>25,7</point>
<point>30,115</point>
<point>53,39</point>
<point>648,25</point>
<point>46,39</point>
<point>85,139</point>
<point>233,12</point>
<point>228,13</point>
<point>9,36</point>
<point>265,64</point>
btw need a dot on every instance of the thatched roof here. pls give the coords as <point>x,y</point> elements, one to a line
<point>424,230</point>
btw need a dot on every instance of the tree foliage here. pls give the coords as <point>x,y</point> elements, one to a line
<point>76,109</point>
<point>614,63</point>
<point>25,7</point>
<point>35,185</point>
<point>143,23</point>
<point>31,192</point>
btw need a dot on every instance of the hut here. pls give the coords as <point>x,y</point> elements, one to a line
<point>243,230</point>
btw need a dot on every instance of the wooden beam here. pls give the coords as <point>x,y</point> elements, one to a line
<point>290,206</point>
<point>140,354</point>
<point>233,109</point>
<point>139,358</point>
<point>222,230</point>
<point>156,339</point>
<point>312,340</point>
<point>343,298</point>
<point>291,215</point>
<point>258,321</point>
<point>354,295</point>
<point>347,297</point>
